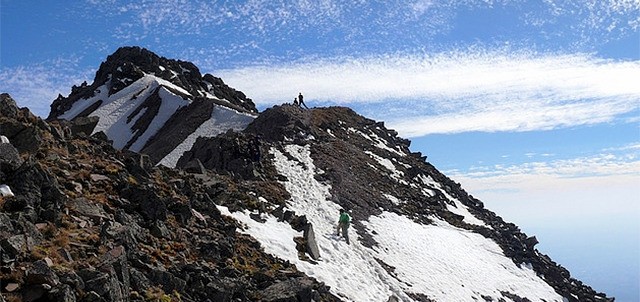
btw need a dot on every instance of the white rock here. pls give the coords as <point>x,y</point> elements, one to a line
<point>4,139</point>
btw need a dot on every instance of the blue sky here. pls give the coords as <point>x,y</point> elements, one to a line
<point>534,106</point>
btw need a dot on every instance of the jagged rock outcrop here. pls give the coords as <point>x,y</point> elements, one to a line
<point>151,104</point>
<point>128,64</point>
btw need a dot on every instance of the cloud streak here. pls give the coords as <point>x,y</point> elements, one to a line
<point>558,191</point>
<point>339,27</point>
<point>36,86</point>
<point>475,90</point>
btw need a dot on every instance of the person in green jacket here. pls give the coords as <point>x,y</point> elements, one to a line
<point>343,224</point>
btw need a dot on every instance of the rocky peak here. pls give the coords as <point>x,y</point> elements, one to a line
<point>129,64</point>
<point>154,105</point>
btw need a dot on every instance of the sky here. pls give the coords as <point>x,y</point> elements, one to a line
<point>533,106</point>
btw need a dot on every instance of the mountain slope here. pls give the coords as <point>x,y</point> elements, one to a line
<point>416,236</point>
<point>86,222</point>
<point>82,221</point>
<point>146,103</point>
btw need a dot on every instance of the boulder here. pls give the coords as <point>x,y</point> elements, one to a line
<point>194,166</point>
<point>8,106</point>
<point>41,273</point>
<point>159,229</point>
<point>62,293</point>
<point>310,241</point>
<point>16,245</point>
<point>168,281</point>
<point>84,207</point>
<point>84,124</point>
<point>292,290</point>
<point>104,284</point>
<point>25,137</point>
<point>9,157</point>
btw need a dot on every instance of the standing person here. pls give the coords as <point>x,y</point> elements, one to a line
<point>300,101</point>
<point>343,224</point>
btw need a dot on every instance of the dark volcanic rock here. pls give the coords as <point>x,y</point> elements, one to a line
<point>9,158</point>
<point>178,127</point>
<point>120,228</point>
<point>8,106</point>
<point>84,125</point>
<point>172,101</point>
<point>231,153</point>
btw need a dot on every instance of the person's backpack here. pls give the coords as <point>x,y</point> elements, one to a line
<point>344,217</point>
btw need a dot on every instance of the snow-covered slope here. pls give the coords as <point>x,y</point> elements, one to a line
<point>439,261</point>
<point>142,100</point>
<point>416,235</point>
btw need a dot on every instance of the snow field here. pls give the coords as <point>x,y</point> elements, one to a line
<point>115,109</point>
<point>350,270</point>
<point>441,261</point>
<point>169,105</point>
<point>451,264</point>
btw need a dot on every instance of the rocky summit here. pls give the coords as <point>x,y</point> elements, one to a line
<point>247,214</point>
<point>154,105</point>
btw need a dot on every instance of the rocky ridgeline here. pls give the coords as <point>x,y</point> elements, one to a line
<point>86,222</point>
<point>128,64</point>
<point>146,91</point>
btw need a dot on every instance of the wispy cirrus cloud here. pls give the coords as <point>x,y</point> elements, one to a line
<point>36,86</point>
<point>451,92</point>
<point>339,27</point>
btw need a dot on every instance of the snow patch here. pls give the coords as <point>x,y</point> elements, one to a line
<point>393,199</point>
<point>221,120</point>
<point>388,164</point>
<point>458,208</point>
<point>377,140</point>
<point>169,104</point>
<point>5,191</point>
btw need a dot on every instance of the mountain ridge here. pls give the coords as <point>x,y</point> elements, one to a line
<point>250,212</point>
<point>152,95</point>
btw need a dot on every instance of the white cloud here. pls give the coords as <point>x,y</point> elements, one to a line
<point>36,86</point>
<point>592,190</point>
<point>361,25</point>
<point>475,90</point>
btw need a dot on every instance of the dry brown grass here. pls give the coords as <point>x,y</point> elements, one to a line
<point>39,252</point>
<point>62,238</point>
